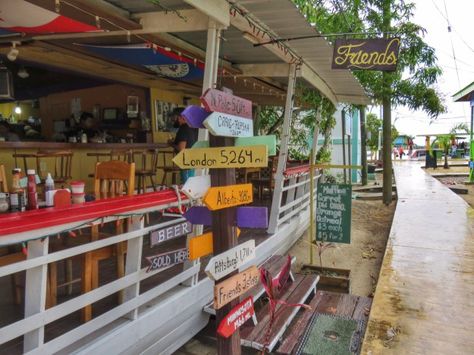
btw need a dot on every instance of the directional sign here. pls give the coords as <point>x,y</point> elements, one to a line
<point>235,286</point>
<point>216,100</point>
<point>252,217</point>
<point>269,141</point>
<point>202,245</point>
<point>174,231</point>
<point>196,186</point>
<point>236,318</point>
<point>230,260</point>
<point>221,197</point>
<point>247,217</point>
<point>195,116</point>
<point>223,157</point>
<point>171,258</point>
<point>227,125</point>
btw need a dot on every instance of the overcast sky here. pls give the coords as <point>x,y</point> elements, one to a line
<point>431,14</point>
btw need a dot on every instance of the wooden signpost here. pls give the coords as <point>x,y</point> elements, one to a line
<point>174,231</point>
<point>221,197</point>
<point>216,100</point>
<point>165,260</point>
<point>235,286</point>
<point>222,157</point>
<point>333,213</point>
<point>202,245</point>
<point>196,186</point>
<point>227,125</point>
<point>236,318</point>
<point>246,217</point>
<point>223,264</point>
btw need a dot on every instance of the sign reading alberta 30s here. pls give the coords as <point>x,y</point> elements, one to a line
<point>333,213</point>
<point>368,54</point>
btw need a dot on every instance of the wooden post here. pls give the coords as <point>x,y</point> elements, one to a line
<point>282,157</point>
<point>35,292</point>
<point>343,118</point>
<point>224,238</point>
<point>209,80</point>
<point>134,262</point>
<point>363,145</point>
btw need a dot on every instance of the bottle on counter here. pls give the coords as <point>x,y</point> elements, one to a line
<point>49,191</point>
<point>31,188</point>
<point>17,194</point>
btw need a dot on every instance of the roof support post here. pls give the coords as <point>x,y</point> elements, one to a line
<point>210,78</point>
<point>283,155</point>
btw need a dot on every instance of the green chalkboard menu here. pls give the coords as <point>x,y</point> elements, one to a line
<point>333,213</point>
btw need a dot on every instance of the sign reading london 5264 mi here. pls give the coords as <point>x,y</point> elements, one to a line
<point>333,213</point>
<point>368,54</point>
<point>255,156</point>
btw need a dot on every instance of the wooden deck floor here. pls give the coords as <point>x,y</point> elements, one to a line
<point>9,312</point>
<point>424,301</point>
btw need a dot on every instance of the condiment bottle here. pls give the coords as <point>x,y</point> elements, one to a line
<point>31,186</point>
<point>49,191</point>
<point>17,195</point>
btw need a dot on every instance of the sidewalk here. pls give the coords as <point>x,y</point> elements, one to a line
<point>424,301</point>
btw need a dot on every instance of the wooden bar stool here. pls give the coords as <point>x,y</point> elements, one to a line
<point>112,179</point>
<point>169,168</point>
<point>148,167</point>
<point>3,179</point>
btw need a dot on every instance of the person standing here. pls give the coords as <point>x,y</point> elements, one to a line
<point>185,138</point>
<point>401,153</point>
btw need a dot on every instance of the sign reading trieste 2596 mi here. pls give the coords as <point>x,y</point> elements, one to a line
<point>368,54</point>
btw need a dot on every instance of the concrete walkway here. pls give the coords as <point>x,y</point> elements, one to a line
<point>424,301</point>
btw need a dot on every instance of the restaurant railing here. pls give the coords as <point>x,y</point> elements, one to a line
<point>292,191</point>
<point>36,228</point>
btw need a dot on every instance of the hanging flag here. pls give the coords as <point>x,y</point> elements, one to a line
<point>23,16</point>
<point>162,61</point>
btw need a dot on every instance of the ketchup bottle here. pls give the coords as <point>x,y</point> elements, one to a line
<point>31,187</point>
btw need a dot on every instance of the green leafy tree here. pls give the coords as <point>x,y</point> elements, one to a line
<point>412,84</point>
<point>374,125</point>
<point>444,142</point>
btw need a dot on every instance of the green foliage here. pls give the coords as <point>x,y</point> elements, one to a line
<point>373,125</point>
<point>417,71</point>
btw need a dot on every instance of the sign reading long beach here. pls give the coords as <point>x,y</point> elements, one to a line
<point>255,156</point>
<point>333,213</point>
<point>368,54</point>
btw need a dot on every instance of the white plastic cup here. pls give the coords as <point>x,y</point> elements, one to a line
<point>77,187</point>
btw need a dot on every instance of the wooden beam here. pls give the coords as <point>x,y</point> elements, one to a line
<point>271,70</point>
<point>167,21</point>
<point>218,10</point>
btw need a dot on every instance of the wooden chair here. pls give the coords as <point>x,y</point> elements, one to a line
<point>112,179</point>
<point>3,179</point>
<point>168,167</point>
<point>148,167</point>
<point>115,154</point>
<point>266,178</point>
<point>62,162</point>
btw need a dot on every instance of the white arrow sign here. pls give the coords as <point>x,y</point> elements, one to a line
<point>196,186</point>
<point>226,125</point>
<point>230,260</point>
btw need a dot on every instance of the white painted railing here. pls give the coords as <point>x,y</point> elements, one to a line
<point>291,196</point>
<point>36,317</point>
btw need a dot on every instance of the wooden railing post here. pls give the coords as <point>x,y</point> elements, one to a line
<point>133,262</point>
<point>35,292</point>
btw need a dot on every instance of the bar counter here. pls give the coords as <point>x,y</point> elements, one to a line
<point>73,146</point>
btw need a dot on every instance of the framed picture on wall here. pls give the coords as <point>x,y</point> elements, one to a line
<point>163,121</point>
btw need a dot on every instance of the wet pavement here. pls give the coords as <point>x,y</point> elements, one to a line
<point>424,301</point>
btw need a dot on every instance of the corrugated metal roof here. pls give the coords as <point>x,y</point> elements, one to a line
<point>283,19</point>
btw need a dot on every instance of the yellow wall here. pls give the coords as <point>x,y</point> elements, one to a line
<point>7,109</point>
<point>166,96</point>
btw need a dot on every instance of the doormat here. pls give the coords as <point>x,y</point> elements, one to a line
<point>328,334</point>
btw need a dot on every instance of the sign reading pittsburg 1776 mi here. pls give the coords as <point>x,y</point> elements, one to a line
<point>368,54</point>
<point>333,213</point>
